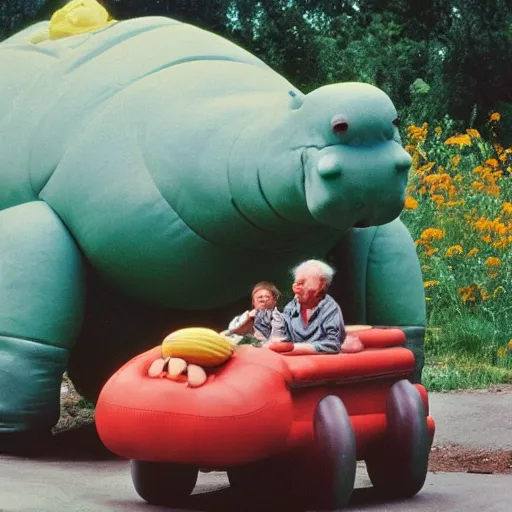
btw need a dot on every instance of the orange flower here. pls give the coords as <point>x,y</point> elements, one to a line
<point>495,116</point>
<point>428,284</point>
<point>432,234</point>
<point>459,140</point>
<point>467,293</point>
<point>456,160</point>
<point>507,208</point>
<point>418,133</point>
<point>492,261</point>
<point>454,249</point>
<point>425,168</point>
<point>471,253</point>
<point>411,203</point>
<point>473,133</point>
<point>492,162</point>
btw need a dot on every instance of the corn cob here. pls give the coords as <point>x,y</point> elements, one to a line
<point>198,345</point>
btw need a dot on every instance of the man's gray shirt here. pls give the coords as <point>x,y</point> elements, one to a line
<point>325,329</point>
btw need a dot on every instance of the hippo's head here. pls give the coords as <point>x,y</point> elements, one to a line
<point>336,159</point>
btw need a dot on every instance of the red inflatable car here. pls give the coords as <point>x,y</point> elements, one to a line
<point>288,427</point>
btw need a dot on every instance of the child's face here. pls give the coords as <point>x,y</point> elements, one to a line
<point>263,299</point>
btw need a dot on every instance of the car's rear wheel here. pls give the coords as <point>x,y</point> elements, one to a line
<point>398,468</point>
<point>163,483</point>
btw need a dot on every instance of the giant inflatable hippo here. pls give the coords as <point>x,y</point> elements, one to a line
<point>150,173</point>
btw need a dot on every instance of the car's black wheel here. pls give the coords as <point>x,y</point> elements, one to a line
<point>318,477</point>
<point>333,470</point>
<point>163,483</point>
<point>398,468</point>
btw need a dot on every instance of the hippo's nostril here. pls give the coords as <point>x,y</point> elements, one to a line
<point>329,166</point>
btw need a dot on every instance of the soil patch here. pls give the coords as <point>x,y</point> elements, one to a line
<point>457,458</point>
<point>74,410</point>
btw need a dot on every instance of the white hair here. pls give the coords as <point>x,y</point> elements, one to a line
<point>326,271</point>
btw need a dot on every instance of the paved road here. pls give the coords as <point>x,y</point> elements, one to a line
<point>105,486</point>
<point>479,419</point>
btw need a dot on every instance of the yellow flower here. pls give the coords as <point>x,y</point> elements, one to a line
<point>502,351</point>
<point>471,253</point>
<point>456,160</point>
<point>428,284</point>
<point>433,234</point>
<point>492,261</point>
<point>473,133</point>
<point>459,140</point>
<point>438,131</point>
<point>411,203</point>
<point>454,249</point>
<point>495,116</point>
<point>492,162</point>
<point>493,276</point>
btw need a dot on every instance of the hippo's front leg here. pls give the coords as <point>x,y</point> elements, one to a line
<point>379,282</point>
<point>41,310</point>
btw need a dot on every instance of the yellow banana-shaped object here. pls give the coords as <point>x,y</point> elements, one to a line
<point>198,345</point>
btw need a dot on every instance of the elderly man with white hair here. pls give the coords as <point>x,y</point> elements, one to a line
<point>313,320</point>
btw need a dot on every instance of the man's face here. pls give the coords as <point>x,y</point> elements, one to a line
<point>263,299</point>
<point>308,287</point>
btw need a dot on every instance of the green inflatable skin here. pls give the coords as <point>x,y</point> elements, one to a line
<point>151,172</point>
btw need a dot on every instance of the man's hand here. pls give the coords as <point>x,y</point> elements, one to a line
<point>280,346</point>
<point>351,345</point>
<point>300,349</point>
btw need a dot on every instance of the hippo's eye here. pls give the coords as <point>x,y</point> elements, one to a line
<point>339,124</point>
<point>396,121</point>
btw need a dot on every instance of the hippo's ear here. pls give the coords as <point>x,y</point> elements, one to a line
<point>296,99</point>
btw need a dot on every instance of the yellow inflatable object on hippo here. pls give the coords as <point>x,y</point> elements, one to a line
<point>76,17</point>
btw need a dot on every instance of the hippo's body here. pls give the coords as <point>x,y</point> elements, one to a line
<point>151,172</point>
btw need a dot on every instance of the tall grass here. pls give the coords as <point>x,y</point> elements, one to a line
<point>459,211</point>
